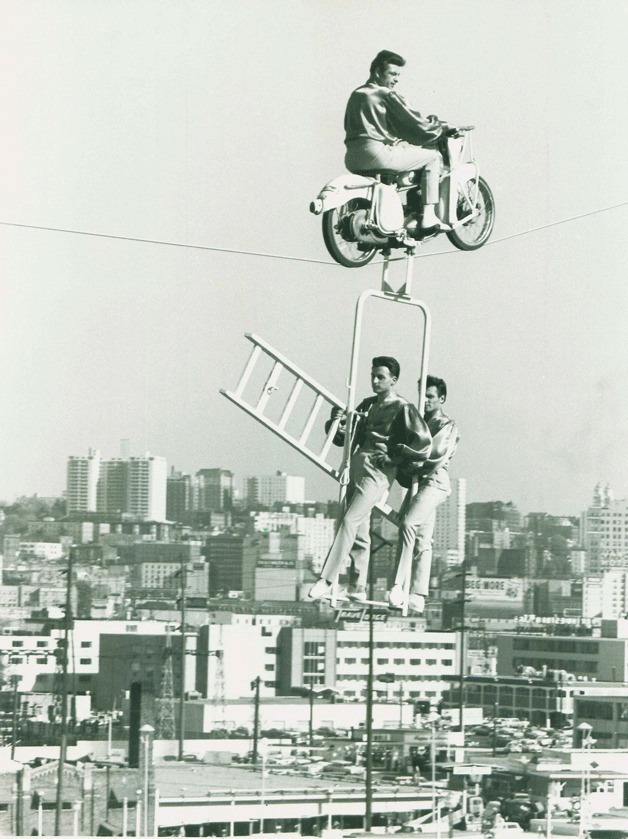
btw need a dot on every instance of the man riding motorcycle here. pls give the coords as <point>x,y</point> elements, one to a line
<point>384,134</point>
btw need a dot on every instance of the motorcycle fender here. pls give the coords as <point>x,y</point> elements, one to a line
<point>340,190</point>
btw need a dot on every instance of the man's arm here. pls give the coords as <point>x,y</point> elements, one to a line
<point>340,413</point>
<point>409,124</point>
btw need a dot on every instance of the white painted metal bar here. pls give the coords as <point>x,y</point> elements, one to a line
<point>270,386</point>
<point>248,369</point>
<point>296,390</point>
<point>281,433</point>
<point>311,419</point>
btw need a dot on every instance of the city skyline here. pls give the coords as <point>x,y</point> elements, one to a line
<point>190,143</point>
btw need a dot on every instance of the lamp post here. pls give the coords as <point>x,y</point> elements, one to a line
<point>585,743</point>
<point>432,719</point>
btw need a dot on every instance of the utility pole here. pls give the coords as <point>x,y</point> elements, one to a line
<point>14,684</point>
<point>463,627</point>
<point>255,686</point>
<point>183,575</point>
<point>63,747</point>
<point>368,781</point>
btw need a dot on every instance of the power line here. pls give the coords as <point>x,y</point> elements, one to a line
<point>287,257</point>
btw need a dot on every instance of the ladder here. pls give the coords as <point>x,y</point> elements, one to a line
<point>260,402</point>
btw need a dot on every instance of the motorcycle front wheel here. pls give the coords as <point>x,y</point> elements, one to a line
<point>338,237</point>
<point>475,233</point>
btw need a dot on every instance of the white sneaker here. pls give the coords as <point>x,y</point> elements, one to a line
<point>416,604</point>
<point>395,597</point>
<point>320,590</point>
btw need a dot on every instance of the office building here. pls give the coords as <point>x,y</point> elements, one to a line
<point>604,532</point>
<point>449,527</point>
<point>82,482</point>
<point>268,490</point>
<point>417,664</point>
<point>212,490</point>
<point>134,485</point>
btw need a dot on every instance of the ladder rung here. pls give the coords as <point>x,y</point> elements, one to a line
<point>270,386</point>
<point>248,369</point>
<point>296,389</point>
<point>311,419</point>
<point>333,430</point>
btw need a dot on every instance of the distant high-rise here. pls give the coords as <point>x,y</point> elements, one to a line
<point>136,485</point>
<point>146,487</point>
<point>213,490</point>
<point>82,482</point>
<point>268,490</point>
<point>178,496</point>
<point>449,528</point>
<point>604,532</point>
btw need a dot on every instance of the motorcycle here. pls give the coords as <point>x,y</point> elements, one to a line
<point>364,213</point>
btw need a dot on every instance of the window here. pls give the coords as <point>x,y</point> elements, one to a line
<point>350,660</point>
<point>415,661</point>
<point>269,667</point>
<point>382,661</point>
<point>17,643</point>
<point>270,650</point>
<point>42,660</point>
<point>41,644</point>
<point>447,662</point>
<point>429,661</point>
<point>399,661</point>
<point>85,661</point>
<point>270,684</point>
<point>85,644</point>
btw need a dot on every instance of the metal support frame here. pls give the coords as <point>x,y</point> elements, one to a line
<point>303,383</point>
<point>400,296</point>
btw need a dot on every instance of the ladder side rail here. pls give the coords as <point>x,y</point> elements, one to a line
<point>316,459</point>
<point>270,386</point>
<point>248,369</point>
<point>300,374</point>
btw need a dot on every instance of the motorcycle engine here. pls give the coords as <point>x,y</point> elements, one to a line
<point>354,229</point>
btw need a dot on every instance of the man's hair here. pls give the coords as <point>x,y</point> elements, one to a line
<point>387,361</point>
<point>385,57</point>
<point>439,384</point>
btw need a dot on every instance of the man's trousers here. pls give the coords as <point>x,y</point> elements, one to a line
<point>368,483</point>
<point>417,529</point>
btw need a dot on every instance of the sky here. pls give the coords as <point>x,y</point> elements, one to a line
<point>205,129</point>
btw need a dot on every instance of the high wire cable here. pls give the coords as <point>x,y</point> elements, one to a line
<point>288,257</point>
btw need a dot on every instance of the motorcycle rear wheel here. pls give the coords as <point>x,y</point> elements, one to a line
<point>344,251</point>
<point>475,233</point>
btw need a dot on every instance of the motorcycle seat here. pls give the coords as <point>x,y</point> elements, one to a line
<point>386,176</point>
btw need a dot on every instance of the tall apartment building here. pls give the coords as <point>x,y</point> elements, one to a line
<point>134,485</point>
<point>212,490</point>
<point>178,496</point>
<point>82,482</point>
<point>268,490</point>
<point>604,532</point>
<point>449,528</point>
